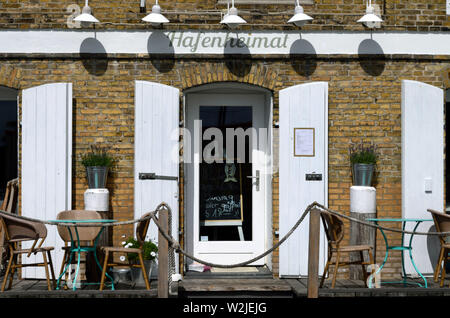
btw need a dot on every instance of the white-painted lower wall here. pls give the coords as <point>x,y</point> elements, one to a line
<point>213,42</point>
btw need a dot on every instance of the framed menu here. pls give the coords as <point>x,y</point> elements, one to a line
<point>304,142</point>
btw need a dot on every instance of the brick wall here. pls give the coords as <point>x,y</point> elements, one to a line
<point>364,104</point>
<point>428,15</point>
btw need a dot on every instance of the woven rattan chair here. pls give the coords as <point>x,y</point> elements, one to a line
<point>141,231</point>
<point>334,230</point>
<point>442,224</point>
<point>9,204</point>
<point>18,230</point>
<point>86,235</point>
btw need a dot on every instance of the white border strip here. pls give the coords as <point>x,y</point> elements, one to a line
<point>213,42</point>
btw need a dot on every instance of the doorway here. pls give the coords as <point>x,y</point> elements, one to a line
<point>228,173</point>
<point>8,137</point>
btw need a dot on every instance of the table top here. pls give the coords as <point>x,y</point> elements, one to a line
<point>399,220</point>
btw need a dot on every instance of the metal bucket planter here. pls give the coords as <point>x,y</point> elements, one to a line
<point>136,272</point>
<point>96,177</point>
<point>362,174</point>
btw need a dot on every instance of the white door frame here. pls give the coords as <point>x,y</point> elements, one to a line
<point>229,252</point>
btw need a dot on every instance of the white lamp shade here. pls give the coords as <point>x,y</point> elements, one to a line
<point>299,17</point>
<point>155,17</point>
<point>232,19</point>
<point>370,16</point>
<point>86,15</point>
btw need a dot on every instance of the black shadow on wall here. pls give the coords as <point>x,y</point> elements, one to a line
<point>433,246</point>
<point>237,56</point>
<point>303,57</point>
<point>371,57</point>
<point>93,56</point>
<point>161,51</point>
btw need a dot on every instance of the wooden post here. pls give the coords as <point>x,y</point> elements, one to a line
<point>163,256</point>
<point>313,253</point>
<point>362,206</point>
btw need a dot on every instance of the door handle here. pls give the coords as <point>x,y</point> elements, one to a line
<point>257,178</point>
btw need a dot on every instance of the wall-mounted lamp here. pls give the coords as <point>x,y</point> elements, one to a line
<point>86,14</point>
<point>155,17</point>
<point>232,19</point>
<point>299,18</point>
<point>370,18</point>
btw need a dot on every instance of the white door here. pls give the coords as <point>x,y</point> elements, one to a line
<point>225,201</point>
<point>46,162</point>
<point>156,151</point>
<point>422,167</point>
<point>303,125</point>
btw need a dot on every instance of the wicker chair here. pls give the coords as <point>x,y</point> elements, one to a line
<point>141,231</point>
<point>442,224</point>
<point>334,230</point>
<point>86,235</point>
<point>9,204</point>
<point>18,230</point>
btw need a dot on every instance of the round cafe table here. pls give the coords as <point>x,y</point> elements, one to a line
<point>402,248</point>
<point>75,247</point>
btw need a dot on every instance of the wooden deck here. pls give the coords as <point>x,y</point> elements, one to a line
<point>38,289</point>
<point>236,287</point>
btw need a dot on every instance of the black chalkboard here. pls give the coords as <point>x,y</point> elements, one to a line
<point>220,192</point>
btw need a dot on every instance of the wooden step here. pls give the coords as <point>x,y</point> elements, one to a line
<point>236,287</point>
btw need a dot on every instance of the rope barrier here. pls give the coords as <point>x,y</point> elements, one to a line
<point>174,244</point>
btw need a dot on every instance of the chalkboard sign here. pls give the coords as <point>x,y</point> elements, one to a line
<point>220,192</point>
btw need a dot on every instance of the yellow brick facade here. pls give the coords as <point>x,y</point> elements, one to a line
<point>364,93</point>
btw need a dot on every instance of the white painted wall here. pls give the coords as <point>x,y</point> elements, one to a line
<point>201,42</point>
<point>422,160</point>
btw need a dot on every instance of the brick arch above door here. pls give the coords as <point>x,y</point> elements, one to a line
<point>199,74</point>
<point>10,76</point>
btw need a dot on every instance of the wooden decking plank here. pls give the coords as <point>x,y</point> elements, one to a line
<point>298,288</point>
<point>197,285</point>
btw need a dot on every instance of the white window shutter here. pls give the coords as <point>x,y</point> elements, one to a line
<point>156,150</point>
<point>422,167</point>
<point>46,161</point>
<point>301,106</point>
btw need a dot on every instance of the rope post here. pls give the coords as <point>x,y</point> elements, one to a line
<point>163,255</point>
<point>313,253</point>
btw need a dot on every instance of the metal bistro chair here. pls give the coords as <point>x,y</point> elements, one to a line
<point>334,230</point>
<point>141,231</point>
<point>17,231</point>
<point>86,237</point>
<point>442,224</point>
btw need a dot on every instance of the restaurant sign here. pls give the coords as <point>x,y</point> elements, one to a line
<point>221,42</point>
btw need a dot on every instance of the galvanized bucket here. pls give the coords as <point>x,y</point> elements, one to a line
<point>96,177</point>
<point>362,174</point>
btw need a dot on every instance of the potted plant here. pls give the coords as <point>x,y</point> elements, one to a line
<point>149,254</point>
<point>97,162</point>
<point>363,158</point>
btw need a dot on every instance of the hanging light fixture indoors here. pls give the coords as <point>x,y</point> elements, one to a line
<point>86,14</point>
<point>155,17</point>
<point>370,18</point>
<point>231,19</point>
<point>299,18</point>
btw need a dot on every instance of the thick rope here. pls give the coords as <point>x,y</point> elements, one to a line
<point>372,224</point>
<point>176,246</point>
